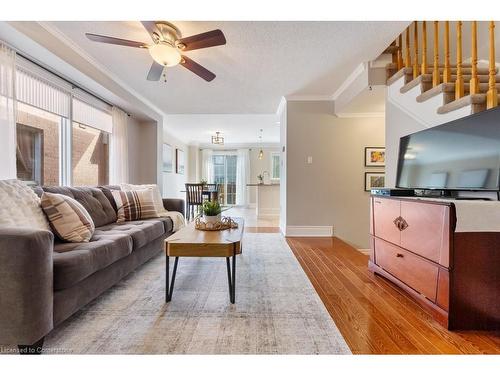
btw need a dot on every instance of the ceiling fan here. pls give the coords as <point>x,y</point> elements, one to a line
<point>168,46</point>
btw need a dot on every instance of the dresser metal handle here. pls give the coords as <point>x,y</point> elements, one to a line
<point>399,255</point>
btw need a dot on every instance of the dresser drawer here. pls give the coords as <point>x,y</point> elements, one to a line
<point>428,230</point>
<point>417,273</point>
<point>385,211</point>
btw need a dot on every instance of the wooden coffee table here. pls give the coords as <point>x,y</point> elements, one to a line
<point>191,242</point>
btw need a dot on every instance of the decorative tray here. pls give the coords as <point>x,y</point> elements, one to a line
<point>223,224</point>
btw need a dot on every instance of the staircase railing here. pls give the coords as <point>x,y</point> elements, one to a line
<point>409,56</point>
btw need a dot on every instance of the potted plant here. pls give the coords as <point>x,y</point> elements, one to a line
<point>211,211</point>
<point>261,179</point>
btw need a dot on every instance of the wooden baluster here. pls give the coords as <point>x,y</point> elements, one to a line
<point>394,53</point>
<point>492,95</point>
<point>474,81</point>
<point>407,49</point>
<point>400,52</point>
<point>459,83</point>
<point>424,47</point>
<point>447,70</point>
<point>415,51</point>
<point>435,71</point>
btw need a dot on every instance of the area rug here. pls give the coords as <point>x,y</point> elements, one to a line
<point>277,310</point>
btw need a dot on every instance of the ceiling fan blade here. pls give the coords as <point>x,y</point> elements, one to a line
<point>155,72</point>
<point>151,28</point>
<point>118,41</point>
<point>204,40</point>
<point>197,69</point>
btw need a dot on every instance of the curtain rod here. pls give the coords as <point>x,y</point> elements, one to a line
<point>72,83</point>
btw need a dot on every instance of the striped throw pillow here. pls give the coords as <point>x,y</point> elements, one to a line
<point>69,220</point>
<point>134,204</point>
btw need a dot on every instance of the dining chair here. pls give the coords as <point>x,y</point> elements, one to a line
<point>194,199</point>
<point>214,191</point>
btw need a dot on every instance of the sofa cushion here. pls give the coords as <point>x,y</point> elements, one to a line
<point>92,199</point>
<point>167,223</point>
<point>68,218</point>
<point>142,232</point>
<point>74,262</point>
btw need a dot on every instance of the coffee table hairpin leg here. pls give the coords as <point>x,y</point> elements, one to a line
<point>169,289</point>
<point>231,276</point>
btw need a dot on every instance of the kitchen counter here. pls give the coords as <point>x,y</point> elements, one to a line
<point>267,199</point>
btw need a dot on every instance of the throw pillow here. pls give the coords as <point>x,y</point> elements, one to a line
<point>69,220</point>
<point>134,205</point>
<point>20,206</point>
<point>158,200</point>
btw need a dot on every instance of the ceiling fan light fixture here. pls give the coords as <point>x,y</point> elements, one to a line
<point>165,54</point>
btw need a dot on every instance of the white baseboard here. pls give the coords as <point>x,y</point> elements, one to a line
<point>309,231</point>
<point>365,251</point>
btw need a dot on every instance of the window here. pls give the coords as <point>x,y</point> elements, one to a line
<point>90,156</point>
<point>62,132</point>
<point>90,143</point>
<point>37,151</point>
<point>275,165</point>
<point>225,176</point>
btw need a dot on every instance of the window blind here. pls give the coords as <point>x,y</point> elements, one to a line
<point>87,114</point>
<point>40,93</point>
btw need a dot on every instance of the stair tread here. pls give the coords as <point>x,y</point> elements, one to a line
<point>450,88</point>
<point>462,102</point>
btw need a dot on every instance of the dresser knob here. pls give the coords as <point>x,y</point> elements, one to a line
<point>399,255</point>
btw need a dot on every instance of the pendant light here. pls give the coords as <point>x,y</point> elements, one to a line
<point>261,152</point>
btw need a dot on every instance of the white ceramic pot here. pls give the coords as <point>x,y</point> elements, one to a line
<point>212,219</point>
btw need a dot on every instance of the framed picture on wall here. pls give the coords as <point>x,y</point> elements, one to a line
<point>179,161</point>
<point>374,180</point>
<point>168,162</point>
<point>374,156</point>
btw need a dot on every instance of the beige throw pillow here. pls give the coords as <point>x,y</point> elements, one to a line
<point>134,205</point>
<point>69,220</point>
<point>158,200</point>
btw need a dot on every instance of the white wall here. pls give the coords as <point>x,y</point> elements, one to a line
<point>142,148</point>
<point>173,183</point>
<point>330,191</point>
<point>397,124</point>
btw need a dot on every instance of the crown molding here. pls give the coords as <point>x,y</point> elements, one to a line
<point>281,106</point>
<point>54,31</point>
<point>349,80</point>
<point>360,114</point>
<point>308,98</point>
<point>232,146</point>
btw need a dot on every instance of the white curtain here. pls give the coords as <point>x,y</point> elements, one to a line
<point>242,177</point>
<point>207,165</point>
<point>7,113</point>
<point>118,155</point>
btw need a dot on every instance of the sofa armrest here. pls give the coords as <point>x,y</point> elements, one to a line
<point>174,204</point>
<point>26,285</point>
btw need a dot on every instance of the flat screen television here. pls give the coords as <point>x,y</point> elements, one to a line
<point>463,154</point>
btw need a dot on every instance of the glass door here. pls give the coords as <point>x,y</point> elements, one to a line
<point>225,177</point>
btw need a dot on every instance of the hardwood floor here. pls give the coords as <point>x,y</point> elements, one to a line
<point>373,315</point>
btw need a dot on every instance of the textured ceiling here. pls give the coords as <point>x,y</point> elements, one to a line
<point>261,62</point>
<point>236,129</point>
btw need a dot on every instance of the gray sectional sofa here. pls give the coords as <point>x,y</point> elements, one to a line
<point>43,281</point>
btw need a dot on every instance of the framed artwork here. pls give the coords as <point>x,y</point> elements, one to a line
<point>374,180</point>
<point>179,161</point>
<point>167,158</point>
<point>374,156</point>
